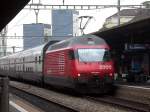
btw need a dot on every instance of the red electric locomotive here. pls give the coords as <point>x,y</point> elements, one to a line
<point>82,63</point>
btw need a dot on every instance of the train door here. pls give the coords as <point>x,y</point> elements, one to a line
<point>23,68</point>
<point>146,64</point>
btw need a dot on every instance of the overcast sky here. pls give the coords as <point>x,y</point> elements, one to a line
<point>28,16</point>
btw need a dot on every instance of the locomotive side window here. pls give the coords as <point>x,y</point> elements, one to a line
<point>107,55</point>
<point>71,54</point>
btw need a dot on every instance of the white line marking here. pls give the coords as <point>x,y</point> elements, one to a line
<point>137,87</point>
<point>17,106</point>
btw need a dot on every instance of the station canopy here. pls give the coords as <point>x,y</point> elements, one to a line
<point>136,31</point>
<point>9,9</point>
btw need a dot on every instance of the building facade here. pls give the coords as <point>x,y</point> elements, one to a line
<point>35,34</point>
<point>64,24</point>
<point>126,15</point>
<point>3,42</point>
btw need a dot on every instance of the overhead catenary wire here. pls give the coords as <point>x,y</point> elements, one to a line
<point>17,23</point>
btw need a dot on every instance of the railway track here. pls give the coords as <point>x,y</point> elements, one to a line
<point>41,102</point>
<point>66,103</point>
<point>134,106</point>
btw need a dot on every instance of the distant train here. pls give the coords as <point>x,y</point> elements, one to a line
<point>80,63</point>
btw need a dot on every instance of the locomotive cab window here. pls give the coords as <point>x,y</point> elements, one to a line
<point>93,55</point>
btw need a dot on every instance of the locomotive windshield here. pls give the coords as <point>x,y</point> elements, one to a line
<point>93,55</point>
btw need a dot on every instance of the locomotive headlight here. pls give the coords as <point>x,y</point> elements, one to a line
<point>79,75</point>
<point>110,74</point>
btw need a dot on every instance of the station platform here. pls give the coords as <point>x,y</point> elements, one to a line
<point>145,85</point>
<point>17,104</point>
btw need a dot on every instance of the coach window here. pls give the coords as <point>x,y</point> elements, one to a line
<point>39,59</point>
<point>35,59</point>
<point>31,69</point>
<point>23,59</point>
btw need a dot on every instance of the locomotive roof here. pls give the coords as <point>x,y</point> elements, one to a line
<point>80,40</point>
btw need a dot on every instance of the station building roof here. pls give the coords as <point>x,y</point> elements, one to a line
<point>136,31</point>
<point>9,9</point>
